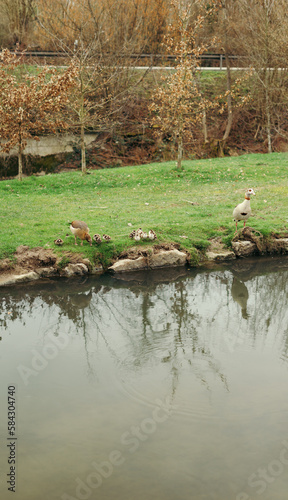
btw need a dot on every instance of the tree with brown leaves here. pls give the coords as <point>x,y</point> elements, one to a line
<point>32,104</point>
<point>178,104</point>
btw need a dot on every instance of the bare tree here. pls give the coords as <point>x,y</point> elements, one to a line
<point>118,24</point>
<point>17,18</point>
<point>224,25</point>
<point>92,33</point>
<point>264,43</point>
<point>226,8</point>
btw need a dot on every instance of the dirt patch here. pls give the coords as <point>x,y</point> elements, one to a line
<point>217,251</point>
<point>6,266</point>
<point>32,259</point>
<point>250,234</point>
<point>25,260</point>
<point>216,245</point>
<point>279,236</point>
<point>272,244</point>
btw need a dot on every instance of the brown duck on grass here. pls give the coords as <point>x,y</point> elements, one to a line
<point>80,230</point>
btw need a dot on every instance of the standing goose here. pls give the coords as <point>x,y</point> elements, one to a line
<point>80,229</point>
<point>243,210</point>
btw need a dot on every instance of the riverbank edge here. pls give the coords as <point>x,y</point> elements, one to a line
<point>32,264</point>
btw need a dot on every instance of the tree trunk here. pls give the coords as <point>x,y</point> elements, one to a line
<point>20,161</point>
<point>267,77</point>
<point>268,114</point>
<point>204,115</point>
<point>83,151</point>
<point>228,72</point>
<point>229,99</point>
<point>180,152</point>
<point>204,126</point>
<point>82,122</point>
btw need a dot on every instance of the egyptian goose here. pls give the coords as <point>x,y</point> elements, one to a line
<point>243,210</point>
<point>97,238</point>
<point>106,237</point>
<point>138,235</point>
<point>80,229</point>
<point>152,235</point>
<point>58,242</point>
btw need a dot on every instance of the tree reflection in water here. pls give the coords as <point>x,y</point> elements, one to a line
<point>178,317</point>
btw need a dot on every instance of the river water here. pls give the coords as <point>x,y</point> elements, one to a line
<point>151,386</point>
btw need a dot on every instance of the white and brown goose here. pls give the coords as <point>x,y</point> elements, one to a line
<point>243,210</point>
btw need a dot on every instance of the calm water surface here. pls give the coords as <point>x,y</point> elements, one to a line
<point>153,386</point>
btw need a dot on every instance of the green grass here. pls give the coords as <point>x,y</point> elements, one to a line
<point>37,210</point>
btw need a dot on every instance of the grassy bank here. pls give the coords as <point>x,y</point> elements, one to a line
<point>188,207</point>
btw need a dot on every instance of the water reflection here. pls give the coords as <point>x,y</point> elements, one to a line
<point>211,342</point>
<point>178,318</point>
<point>239,292</point>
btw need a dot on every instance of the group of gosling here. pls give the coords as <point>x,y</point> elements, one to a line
<point>80,229</point>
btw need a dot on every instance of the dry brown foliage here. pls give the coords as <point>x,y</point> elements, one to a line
<point>31,105</point>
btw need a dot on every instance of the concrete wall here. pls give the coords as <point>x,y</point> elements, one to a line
<point>52,145</point>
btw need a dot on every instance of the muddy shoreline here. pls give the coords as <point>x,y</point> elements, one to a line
<point>31,264</point>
